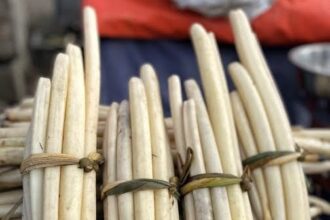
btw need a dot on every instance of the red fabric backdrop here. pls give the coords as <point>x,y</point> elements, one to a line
<point>287,22</point>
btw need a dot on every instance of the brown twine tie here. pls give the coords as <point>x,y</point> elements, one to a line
<point>43,160</point>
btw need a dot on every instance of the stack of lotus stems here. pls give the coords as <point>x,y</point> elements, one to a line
<point>259,105</point>
<point>314,141</point>
<point>10,176</point>
<point>15,122</point>
<point>63,120</point>
<point>136,146</point>
<point>148,151</point>
<point>219,125</point>
<point>318,206</point>
<point>14,128</point>
<point>8,199</point>
<point>138,142</point>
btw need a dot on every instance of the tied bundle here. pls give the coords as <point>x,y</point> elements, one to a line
<point>137,153</point>
<point>64,125</point>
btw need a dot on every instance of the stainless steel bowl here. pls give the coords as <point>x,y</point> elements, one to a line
<point>313,61</point>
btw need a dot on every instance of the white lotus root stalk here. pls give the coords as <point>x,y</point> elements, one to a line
<point>249,146</point>
<point>55,135</point>
<point>316,167</point>
<point>26,181</point>
<point>124,161</point>
<point>263,136</point>
<point>176,105</point>
<point>27,102</point>
<point>71,183</point>
<point>36,144</point>
<point>92,87</point>
<point>173,202</point>
<point>109,151</point>
<point>158,140</point>
<point>24,116</point>
<point>6,168</point>
<point>222,79</point>
<point>313,145</point>
<point>144,208</point>
<point>10,197</point>
<point>11,179</point>
<point>323,206</point>
<point>202,197</point>
<point>13,132</point>
<point>4,209</point>
<point>317,133</point>
<point>220,120</point>
<point>12,142</point>
<point>8,200</point>
<point>11,155</point>
<point>23,124</point>
<point>17,114</point>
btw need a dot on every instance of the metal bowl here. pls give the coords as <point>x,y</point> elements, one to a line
<point>313,61</point>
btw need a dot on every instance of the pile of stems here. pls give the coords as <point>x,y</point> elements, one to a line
<point>263,138</point>
<point>313,145</point>
<point>8,199</point>
<point>318,133</point>
<point>124,169</point>
<point>318,206</point>
<point>138,142</point>
<point>159,140</point>
<point>10,179</point>
<point>64,121</point>
<point>316,167</point>
<point>27,102</point>
<point>12,139</point>
<point>251,56</point>
<point>221,120</point>
<point>145,155</point>
<point>109,151</point>
<point>248,144</point>
<point>55,135</point>
<point>211,160</point>
<point>144,206</point>
<point>16,136</point>
<point>225,90</point>
<point>19,114</point>
<point>176,106</point>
